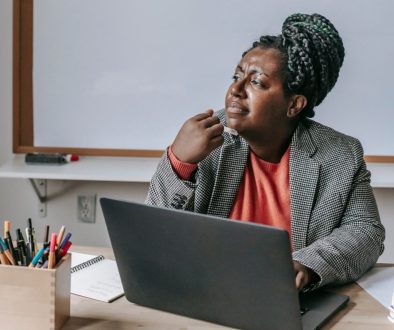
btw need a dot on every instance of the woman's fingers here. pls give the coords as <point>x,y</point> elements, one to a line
<point>198,136</point>
<point>210,121</point>
<point>215,130</point>
<point>299,280</point>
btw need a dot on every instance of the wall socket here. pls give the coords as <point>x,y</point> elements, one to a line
<point>86,208</point>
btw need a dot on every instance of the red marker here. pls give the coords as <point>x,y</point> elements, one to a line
<point>65,249</point>
<point>71,158</point>
<point>52,252</point>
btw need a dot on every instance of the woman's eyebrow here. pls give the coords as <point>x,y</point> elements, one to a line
<point>239,68</point>
<point>258,70</point>
<point>253,69</point>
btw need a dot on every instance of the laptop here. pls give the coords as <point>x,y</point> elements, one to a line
<point>223,271</point>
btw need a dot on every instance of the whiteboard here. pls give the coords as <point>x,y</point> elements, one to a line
<point>125,74</point>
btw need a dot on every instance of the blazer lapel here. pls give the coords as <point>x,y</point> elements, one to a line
<point>304,176</point>
<point>231,168</point>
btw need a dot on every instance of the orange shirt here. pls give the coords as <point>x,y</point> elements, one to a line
<point>264,193</point>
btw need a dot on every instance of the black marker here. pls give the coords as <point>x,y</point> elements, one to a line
<point>8,239</point>
<point>21,245</point>
<point>31,239</point>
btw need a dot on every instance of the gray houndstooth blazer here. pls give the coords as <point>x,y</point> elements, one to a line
<point>335,225</point>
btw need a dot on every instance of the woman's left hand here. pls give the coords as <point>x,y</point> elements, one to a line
<point>303,275</point>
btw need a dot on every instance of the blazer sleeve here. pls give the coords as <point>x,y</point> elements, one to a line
<point>355,245</point>
<point>168,190</point>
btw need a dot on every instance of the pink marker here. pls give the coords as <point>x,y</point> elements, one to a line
<point>52,252</point>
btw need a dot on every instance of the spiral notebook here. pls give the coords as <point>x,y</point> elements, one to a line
<point>95,277</point>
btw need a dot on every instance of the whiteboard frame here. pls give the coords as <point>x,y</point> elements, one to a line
<point>23,121</point>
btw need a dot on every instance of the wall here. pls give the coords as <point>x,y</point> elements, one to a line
<point>18,200</point>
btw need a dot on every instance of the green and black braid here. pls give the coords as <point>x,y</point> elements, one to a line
<point>312,55</point>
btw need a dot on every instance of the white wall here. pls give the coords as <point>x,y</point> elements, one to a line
<point>19,202</point>
<point>17,198</point>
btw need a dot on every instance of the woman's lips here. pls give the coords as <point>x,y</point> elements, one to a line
<point>236,108</point>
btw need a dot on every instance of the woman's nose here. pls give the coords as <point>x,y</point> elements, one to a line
<point>238,88</point>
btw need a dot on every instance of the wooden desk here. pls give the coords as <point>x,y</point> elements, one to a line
<point>362,312</point>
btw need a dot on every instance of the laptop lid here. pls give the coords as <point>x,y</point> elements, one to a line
<point>223,271</point>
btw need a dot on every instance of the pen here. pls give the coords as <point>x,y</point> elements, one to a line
<point>65,249</point>
<point>7,252</point>
<point>19,235</point>
<point>46,237</point>
<point>3,258</point>
<point>36,258</point>
<point>22,252</point>
<point>52,256</point>
<point>31,239</point>
<point>28,250</point>
<point>65,240</point>
<point>21,245</point>
<point>35,239</point>
<point>10,244</point>
<point>19,257</point>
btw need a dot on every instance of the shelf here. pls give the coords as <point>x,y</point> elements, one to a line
<point>117,169</point>
<point>382,175</point>
<point>131,169</point>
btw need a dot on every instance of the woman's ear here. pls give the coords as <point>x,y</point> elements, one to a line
<point>297,103</point>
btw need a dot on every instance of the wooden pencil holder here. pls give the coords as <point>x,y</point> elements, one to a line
<point>34,298</point>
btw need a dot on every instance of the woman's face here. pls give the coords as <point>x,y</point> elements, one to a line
<point>255,102</point>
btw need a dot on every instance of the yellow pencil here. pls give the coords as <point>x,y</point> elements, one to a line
<point>60,235</point>
<point>7,227</point>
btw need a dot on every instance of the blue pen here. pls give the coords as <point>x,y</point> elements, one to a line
<point>65,240</point>
<point>37,257</point>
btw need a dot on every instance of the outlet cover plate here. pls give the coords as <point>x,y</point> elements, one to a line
<point>86,207</point>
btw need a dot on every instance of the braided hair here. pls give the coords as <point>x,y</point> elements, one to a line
<point>312,54</point>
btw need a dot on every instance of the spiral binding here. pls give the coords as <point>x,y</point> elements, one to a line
<point>87,263</point>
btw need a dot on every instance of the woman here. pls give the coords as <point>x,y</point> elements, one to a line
<point>282,168</point>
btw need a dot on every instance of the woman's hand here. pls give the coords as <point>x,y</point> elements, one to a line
<point>303,275</point>
<point>197,138</point>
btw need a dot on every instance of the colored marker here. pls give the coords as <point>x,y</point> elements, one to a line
<point>71,158</point>
<point>52,251</point>
<point>3,258</point>
<point>7,252</point>
<point>21,248</point>
<point>65,240</point>
<point>36,258</point>
<point>65,249</point>
<point>8,240</point>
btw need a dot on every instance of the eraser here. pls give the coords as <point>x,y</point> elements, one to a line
<point>230,130</point>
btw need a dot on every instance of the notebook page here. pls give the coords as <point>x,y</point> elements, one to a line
<point>100,281</point>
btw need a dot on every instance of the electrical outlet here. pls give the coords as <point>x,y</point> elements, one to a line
<point>86,208</point>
